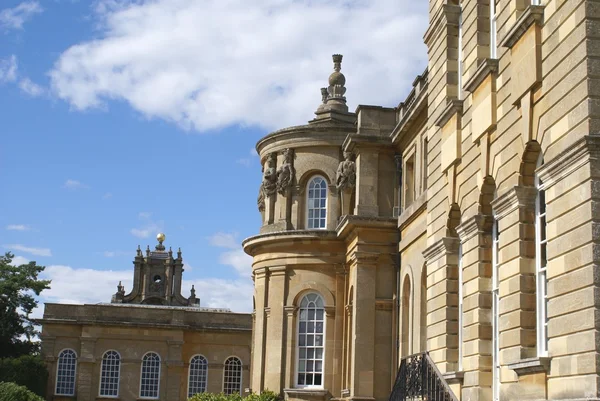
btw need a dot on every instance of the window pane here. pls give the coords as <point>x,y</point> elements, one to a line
<point>310,344</point>
<point>232,376</point>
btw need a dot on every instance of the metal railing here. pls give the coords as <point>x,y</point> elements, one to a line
<point>419,379</point>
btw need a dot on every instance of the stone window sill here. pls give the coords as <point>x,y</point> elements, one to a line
<point>454,377</point>
<point>530,365</point>
<point>533,14</point>
<point>410,210</point>
<point>453,107</point>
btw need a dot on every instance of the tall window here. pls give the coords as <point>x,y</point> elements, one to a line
<point>311,341</point>
<point>197,376</point>
<point>109,374</point>
<point>409,181</point>
<point>460,54</point>
<point>495,312</point>
<point>541,261</point>
<point>232,376</point>
<point>150,378</point>
<point>65,372</point>
<point>317,203</point>
<point>460,307</point>
<point>493,27</point>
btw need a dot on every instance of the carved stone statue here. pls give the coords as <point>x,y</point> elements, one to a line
<point>260,201</point>
<point>346,173</point>
<point>285,173</point>
<point>269,183</point>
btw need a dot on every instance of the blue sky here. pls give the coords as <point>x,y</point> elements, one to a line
<point>121,119</point>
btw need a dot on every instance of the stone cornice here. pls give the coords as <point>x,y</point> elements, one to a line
<point>533,14</point>
<point>384,304</point>
<point>447,13</point>
<point>475,225</point>
<point>350,222</point>
<point>530,365</point>
<point>487,67</point>
<point>516,197</point>
<point>364,258</point>
<point>453,107</point>
<point>358,141</point>
<point>443,246</point>
<point>569,160</point>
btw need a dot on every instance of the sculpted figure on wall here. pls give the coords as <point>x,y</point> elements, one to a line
<point>285,173</point>
<point>346,173</point>
<point>269,183</point>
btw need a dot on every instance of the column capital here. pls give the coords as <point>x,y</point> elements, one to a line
<point>260,272</point>
<point>277,271</point>
<point>443,246</point>
<point>472,226</point>
<point>364,258</point>
<point>290,310</point>
<point>515,198</point>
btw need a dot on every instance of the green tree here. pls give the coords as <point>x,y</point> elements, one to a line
<point>18,285</point>
<point>14,392</point>
<point>27,370</point>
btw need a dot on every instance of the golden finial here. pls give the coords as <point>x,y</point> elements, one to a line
<point>161,237</point>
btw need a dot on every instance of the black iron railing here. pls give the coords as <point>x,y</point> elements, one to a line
<point>419,379</point>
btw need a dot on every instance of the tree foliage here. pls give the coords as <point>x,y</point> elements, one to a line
<point>27,370</point>
<point>264,396</point>
<point>14,392</point>
<point>18,285</point>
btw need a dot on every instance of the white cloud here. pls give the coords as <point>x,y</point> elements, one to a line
<point>8,69</point>
<point>18,227</point>
<point>224,240</point>
<point>31,88</point>
<point>258,63</point>
<point>26,249</point>
<point>235,256</point>
<point>144,215</point>
<point>148,228</point>
<point>72,286</point>
<point>107,195</point>
<point>14,18</point>
<point>113,254</point>
<point>217,293</point>
<point>74,184</point>
<point>19,260</point>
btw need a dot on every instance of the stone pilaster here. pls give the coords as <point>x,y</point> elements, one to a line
<point>291,313</point>
<point>85,369</point>
<point>260,299</point>
<point>442,303</point>
<point>572,187</point>
<point>175,368</point>
<point>363,352</point>
<point>274,356</point>
<point>515,213</point>
<point>476,239</point>
<point>338,341</point>
<point>367,168</point>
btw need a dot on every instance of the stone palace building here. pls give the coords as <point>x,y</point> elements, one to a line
<point>449,244</point>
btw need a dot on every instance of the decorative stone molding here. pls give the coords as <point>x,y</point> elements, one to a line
<point>306,394</point>
<point>511,200</point>
<point>454,377</point>
<point>291,311</point>
<point>569,160</point>
<point>267,312</point>
<point>477,224</point>
<point>444,246</point>
<point>530,365</point>
<point>412,211</point>
<point>453,107</point>
<point>277,271</point>
<point>532,15</point>
<point>364,258</point>
<point>487,67</point>
<point>384,304</point>
<point>448,14</point>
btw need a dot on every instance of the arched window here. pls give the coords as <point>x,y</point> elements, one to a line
<point>232,376</point>
<point>197,375</point>
<point>316,211</point>
<point>311,341</point>
<point>540,266</point>
<point>150,377</point>
<point>65,372</point>
<point>109,374</point>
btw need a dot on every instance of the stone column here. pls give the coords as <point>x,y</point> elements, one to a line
<point>442,303</point>
<point>174,365</point>
<point>367,169</point>
<point>476,238</point>
<point>515,212</point>
<point>85,369</point>
<point>363,346</point>
<point>338,342</point>
<point>274,356</point>
<point>290,345</point>
<point>260,299</point>
<point>47,352</point>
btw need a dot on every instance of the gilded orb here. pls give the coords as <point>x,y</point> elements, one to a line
<point>161,237</point>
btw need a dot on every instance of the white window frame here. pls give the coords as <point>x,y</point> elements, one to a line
<point>308,199</point>
<point>493,30</point>
<point>58,375</point>
<point>108,378</point>
<point>460,307</point>
<point>297,370</point>
<point>225,366</point>
<point>142,375</point>
<point>205,378</point>
<point>541,262</point>
<point>495,312</point>
<point>460,55</point>
<point>536,2</point>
